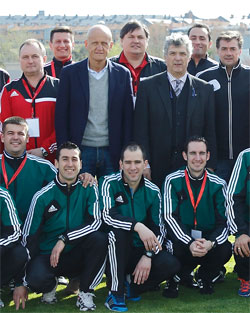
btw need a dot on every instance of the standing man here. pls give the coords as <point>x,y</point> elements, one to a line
<point>231,82</point>
<point>200,35</point>
<point>12,254</point>
<point>61,233</point>
<point>21,173</point>
<point>238,199</point>
<point>132,210</point>
<point>61,44</point>
<point>94,106</point>
<point>194,212</point>
<point>134,38</point>
<point>170,107</point>
<point>33,97</point>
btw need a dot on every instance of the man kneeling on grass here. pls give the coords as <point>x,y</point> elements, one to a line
<point>194,212</point>
<point>132,209</point>
<point>61,234</point>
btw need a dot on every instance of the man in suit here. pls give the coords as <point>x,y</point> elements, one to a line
<point>170,107</point>
<point>95,105</point>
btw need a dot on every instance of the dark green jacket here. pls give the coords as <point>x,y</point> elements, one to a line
<point>9,221</point>
<point>35,174</point>
<point>238,195</point>
<point>56,210</point>
<point>179,212</point>
<point>123,210</point>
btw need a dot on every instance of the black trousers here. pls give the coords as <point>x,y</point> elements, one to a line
<point>123,258</point>
<point>87,260</point>
<point>12,262</point>
<point>210,264</point>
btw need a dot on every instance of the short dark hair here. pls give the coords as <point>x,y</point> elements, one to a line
<point>201,25</point>
<point>133,146</point>
<point>195,138</point>
<point>228,36</point>
<point>70,146</point>
<point>130,26</point>
<point>15,120</point>
<point>61,29</point>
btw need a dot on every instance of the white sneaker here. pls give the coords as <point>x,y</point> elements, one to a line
<point>1,303</point>
<point>50,297</point>
<point>85,301</point>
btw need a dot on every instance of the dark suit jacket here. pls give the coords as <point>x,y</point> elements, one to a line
<point>72,106</point>
<point>153,120</point>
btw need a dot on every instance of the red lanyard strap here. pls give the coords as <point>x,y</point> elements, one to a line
<point>15,174</point>
<point>191,193</point>
<point>36,92</point>
<point>53,71</point>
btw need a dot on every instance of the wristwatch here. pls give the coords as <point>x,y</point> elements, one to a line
<point>149,254</point>
<point>44,152</point>
<point>62,237</point>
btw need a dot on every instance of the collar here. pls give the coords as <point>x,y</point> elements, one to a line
<point>124,60</point>
<point>32,88</point>
<point>10,157</point>
<point>97,75</point>
<point>126,185</point>
<point>172,78</point>
<point>234,68</point>
<point>64,62</point>
<point>64,187</point>
<point>195,178</point>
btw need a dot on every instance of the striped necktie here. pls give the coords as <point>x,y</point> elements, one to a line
<point>177,89</point>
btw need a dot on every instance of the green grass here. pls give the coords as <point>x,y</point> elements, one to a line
<point>224,300</point>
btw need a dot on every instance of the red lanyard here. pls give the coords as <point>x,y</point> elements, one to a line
<point>191,193</point>
<point>15,174</point>
<point>53,71</point>
<point>36,92</point>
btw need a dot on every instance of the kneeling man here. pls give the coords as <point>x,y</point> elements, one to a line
<point>132,210</point>
<point>194,212</point>
<point>61,232</point>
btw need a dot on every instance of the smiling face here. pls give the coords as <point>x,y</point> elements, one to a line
<point>200,41</point>
<point>68,165</point>
<point>177,59</point>
<point>196,157</point>
<point>15,138</point>
<point>61,45</point>
<point>135,43</point>
<point>32,60</point>
<point>133,166</point>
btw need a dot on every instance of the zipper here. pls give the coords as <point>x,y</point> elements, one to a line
<point>230,114</point>
<point>67,215</point>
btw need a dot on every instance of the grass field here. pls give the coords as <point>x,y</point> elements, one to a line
<point>224,300</point>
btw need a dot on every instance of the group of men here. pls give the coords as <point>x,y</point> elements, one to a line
<point>85,123</point>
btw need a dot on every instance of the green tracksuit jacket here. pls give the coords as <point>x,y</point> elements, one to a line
<point>56,210</point>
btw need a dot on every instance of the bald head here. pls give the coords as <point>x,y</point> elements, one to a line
<point>98,43</point>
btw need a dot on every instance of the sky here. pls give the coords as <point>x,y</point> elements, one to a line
<point>202,9</point>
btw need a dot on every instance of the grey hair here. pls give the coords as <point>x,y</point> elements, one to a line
<point>177,40</point>
<point>33,41</point>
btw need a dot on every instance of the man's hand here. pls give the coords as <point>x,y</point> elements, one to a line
<point>36,152</point>
<point>20,294</point>
<point>55,253</point>
<point>241,246</point>
<point>197,248</point>
<point>87,179</point>
<point>147,237</point>
<point>147,173</point>
<point>142,270</point>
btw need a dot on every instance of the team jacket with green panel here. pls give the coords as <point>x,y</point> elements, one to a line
<point>9,221</point>
<point>238,195</point>
<point>57,210</point>
<point>179,212</point>
<point>35,174</point>
<point>122,209</point>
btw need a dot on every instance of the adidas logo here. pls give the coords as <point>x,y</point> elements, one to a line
<point>119,199</point>
<point>52,209</point>
<point>14,94</point>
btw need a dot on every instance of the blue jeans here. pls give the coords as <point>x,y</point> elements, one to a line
<point>96,161</point>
